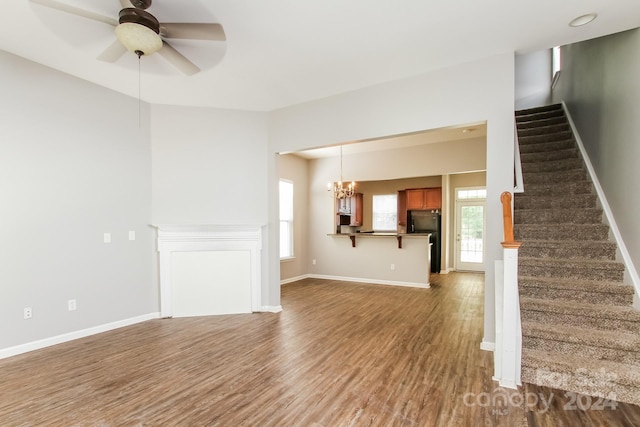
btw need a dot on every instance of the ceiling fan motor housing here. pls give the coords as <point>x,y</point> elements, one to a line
<point>139,16</point>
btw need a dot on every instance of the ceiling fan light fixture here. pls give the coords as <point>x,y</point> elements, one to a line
<point>138,38</point>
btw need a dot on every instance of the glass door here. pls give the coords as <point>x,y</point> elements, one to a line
<point>470,224</point>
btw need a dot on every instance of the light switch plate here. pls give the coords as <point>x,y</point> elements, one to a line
<point>132,235</point>
<point>107,237</point>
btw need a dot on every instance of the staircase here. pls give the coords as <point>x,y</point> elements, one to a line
<point>580,332</point>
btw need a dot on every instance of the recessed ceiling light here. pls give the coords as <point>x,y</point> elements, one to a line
<point>583,20</point>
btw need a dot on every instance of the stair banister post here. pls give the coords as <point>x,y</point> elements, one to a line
<point>511,333</point>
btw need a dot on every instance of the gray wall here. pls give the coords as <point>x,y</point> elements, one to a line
<point>74,164</point>
<point>533,79</point>
<point>600,85</point>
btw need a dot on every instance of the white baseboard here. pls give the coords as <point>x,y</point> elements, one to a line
<point>293,279</point>
<point>487,346</point>
<point>271,308</point>
<point>59,339</point>
<point>626,257</point>
<point>372,281</point>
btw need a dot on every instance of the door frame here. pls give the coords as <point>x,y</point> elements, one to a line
<point>459,203</point>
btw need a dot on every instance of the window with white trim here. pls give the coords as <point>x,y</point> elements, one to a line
<point>385,212</point>
<point>286,219</point>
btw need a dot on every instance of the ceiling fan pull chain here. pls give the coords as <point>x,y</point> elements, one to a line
<point>139,91</point>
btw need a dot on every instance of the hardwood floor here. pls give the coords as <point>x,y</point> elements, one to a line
<point>340,354</point>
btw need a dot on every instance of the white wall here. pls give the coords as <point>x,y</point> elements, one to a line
<point>210,167</point>
<point>468,93</point>
<point>533,79</point>
<point>296,169</point>
<point>74,164</point>
<point>599,83</point>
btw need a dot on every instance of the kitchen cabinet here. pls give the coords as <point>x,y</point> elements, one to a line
<point>349,210</point>
<point>424,198</point>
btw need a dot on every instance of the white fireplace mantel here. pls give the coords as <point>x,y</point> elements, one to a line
<point>207,238</point>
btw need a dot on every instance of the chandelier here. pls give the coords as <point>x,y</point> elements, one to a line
<point>339,191</point>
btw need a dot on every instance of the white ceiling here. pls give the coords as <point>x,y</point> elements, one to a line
<point>284,52</point>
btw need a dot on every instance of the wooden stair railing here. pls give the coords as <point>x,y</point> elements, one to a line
<point>507,222</point>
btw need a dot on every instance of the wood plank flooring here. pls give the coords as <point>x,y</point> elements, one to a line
<point>340,354</point>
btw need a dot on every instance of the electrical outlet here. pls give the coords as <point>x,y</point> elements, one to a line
<point>28,314</point>
<point>71,305</point>
<point>313,262</point>
<point>393,266</point>
<point>132,235</point>
<point>107,237</point>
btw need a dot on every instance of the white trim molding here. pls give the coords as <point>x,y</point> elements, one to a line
<point>294,279</point>
<point>487,345</point>
<point>204,238</point>
<point>626,257</point>
<point>59,339</point>
<point>271,308</point>
<point>371,281</point>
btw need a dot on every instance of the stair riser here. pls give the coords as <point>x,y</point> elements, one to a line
<point>573,296</point>
<point>543,130</point>
<point>559,189</point>
<point>602,253</point>
<point>584,321</point>
<point>553,165</point>
<point>577,201</point>
<point>597,353</point>
<point>542,123</point>
<point>546,156</point>
<point>544,147</point>
<point>590,386</point>
<point>560,232</point>
<point>558,216</point>
<point>550,178</point>
<point>537,139</point>
<point>569,272</point>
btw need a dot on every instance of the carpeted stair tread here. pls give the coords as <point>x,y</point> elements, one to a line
<point>569,249</point>
<point>587,265</point>
<point>537,139</point>
<point>558,188</point>
<point>544,147</point>
<point>599,288</point>
<point>579,232</point>
<point>558,216</point>
<point>539,113</point>
<point>542,122</point>
<point>553,165</point>
<point>553,176</point>
<point>597,338</point>
<point>603,378</point>
<point>522,201</point>
<point>596,311</point>
<point>543,130</point>
<point>545,156</point>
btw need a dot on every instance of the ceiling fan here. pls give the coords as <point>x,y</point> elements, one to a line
<point>139,32</point>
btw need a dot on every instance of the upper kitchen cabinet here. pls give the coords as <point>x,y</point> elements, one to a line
<point>349,210</point>
<point>424,198</point>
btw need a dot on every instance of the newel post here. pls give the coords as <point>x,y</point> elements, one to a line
<point>507,361</point>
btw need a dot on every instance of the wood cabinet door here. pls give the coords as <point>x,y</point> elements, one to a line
<point>433,198</point>
<point>402,208</point>
<point>415,199</point>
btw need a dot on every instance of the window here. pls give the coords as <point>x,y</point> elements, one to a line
<point>385,212</point>
<point>286,219</point>
<point>556,65</point>
<point>480,193</point>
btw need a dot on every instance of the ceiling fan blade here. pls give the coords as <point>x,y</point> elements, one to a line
<point>192,30</point>
<point>76,11</point>
<point>125,4</point>
<point>178,60</point>
<point>113,52</point>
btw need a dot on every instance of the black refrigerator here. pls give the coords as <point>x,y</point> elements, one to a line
<point>428,222</point>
